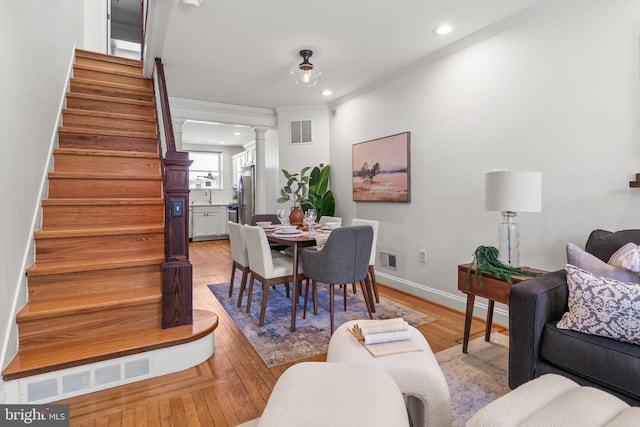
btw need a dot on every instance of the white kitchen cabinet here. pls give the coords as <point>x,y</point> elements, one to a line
<point>209,222</point>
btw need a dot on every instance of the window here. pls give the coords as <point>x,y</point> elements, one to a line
<point>205,171</point>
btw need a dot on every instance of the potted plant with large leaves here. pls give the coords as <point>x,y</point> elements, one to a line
<point>319,196</point>
<point>295,190</point>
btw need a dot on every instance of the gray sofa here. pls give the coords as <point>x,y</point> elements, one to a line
<point>538,347</point>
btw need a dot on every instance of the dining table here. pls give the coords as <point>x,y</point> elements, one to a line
<point>295,241</point>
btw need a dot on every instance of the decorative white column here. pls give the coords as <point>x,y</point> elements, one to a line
<point>177,131</point>
<point>261,177</point>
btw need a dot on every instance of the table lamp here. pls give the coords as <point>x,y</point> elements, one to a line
<point>510,192</point>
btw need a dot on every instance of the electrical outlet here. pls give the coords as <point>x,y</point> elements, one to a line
<point>423,255</point>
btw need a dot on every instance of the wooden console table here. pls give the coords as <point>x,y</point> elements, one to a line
<point>492,288</point>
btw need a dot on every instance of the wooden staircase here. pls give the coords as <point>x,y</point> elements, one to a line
<point>95,288</point>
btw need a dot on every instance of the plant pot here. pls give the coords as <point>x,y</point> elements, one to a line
<point>296,217</point>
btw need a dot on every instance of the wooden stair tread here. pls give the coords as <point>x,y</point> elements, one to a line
<point>56,232</point>
<point>105,132</point>
<point>101,202</point>
<point>97,175</point>
<point>95,349</point>
<point>107,114</point>
<point>112,85</point>
<point>137,75</point>
<point>106,153</point>
<point>44,268</point>
<point>110,99</point>
<point>87,303</point>
<point>108,58</point>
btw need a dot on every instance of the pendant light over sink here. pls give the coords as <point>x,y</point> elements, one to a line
<point>305,73</point>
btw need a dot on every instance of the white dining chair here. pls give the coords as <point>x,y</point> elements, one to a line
<point>239,257</point>
<point>324,219</point>
<point>372,259</point>
<point>265,268</point>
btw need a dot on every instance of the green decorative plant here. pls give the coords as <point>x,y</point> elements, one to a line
<point>296,188</point>
<point>486,260</point>
<point>320,197</point>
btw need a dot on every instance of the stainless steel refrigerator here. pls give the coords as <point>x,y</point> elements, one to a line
<point>246,194</point>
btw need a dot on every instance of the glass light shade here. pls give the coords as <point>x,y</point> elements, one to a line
<point>306,76</point>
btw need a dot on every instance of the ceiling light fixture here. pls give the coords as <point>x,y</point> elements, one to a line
<point>326,92</point>
<point>305,73</point>
<point>443,29</point>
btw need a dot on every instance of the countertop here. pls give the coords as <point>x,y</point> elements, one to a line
<point>201,205</point>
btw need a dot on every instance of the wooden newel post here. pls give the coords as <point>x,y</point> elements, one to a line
<point>177,277</point>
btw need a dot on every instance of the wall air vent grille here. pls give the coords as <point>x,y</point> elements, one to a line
<point>389,260</point>
<point>301,132</point>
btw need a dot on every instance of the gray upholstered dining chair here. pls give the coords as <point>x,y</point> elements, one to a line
<point>344,259</point>
<point>255,219</point>
<point>268,270</point>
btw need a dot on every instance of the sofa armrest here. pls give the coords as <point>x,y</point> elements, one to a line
<point>533,303</point>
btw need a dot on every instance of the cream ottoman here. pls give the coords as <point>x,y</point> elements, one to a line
<point>318,394</point>
<point>552,400</point>
<point>417,374</point>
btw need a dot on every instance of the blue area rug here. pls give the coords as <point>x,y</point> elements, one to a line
<point>276,344</point>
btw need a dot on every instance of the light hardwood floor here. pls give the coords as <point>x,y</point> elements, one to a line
<point>234,384</point>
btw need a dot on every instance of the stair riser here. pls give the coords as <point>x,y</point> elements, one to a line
<point>101,188</point>
<point>100,216</point>
<point>107,91</point>
<point>112,143</point>
<point>110,106</point>
<point>129,166</point>
<point>110,77</point>
<point>75,120</point>
<point>65,329</point>
<point>69,248</point>
<point>112,66</point>
<point>85,283</point>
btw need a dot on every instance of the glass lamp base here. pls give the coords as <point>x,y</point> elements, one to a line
<point>509,240</point>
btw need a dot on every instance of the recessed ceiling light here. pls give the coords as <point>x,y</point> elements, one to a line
<point>237,133</point>
<point>326,92</point>
<point>443,29</point>
<point>221,142</point>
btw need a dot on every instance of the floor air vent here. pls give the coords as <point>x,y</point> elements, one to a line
<point>389,260</point>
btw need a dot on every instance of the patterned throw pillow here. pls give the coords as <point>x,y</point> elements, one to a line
<point>602,306</point>
<point>627,257</point>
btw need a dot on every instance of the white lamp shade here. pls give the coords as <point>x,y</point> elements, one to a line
<point>513,191</point>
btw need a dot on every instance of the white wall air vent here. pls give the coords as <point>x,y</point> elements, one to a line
<point>389,260</point>
<point>301,132</point>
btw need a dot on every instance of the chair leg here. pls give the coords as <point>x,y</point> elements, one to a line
<point>250,294</point>
<point>233,273</point>
<point>374,283</point>
<point>306,295</point>
<point>367,283</point>
<point>288,290</point>
<point>367,300</point>
<point>243,284</point>
<point>314,290</point>
<point>344,293</point>
<point>331,305</point>
<point>353,286</point>
<point>263,308</point>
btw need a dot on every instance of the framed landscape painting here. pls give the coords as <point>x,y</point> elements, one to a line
<point>380,169</point>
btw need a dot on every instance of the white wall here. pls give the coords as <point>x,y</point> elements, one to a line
<point>36,46</point>
<point>558,94</point>
<point>294,157</point>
